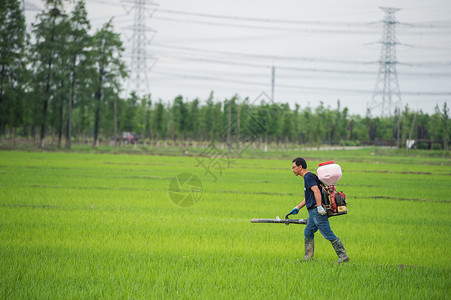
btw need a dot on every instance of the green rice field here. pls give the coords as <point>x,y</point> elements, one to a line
<point>91,225</point>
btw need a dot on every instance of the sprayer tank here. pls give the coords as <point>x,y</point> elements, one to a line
<point>329,172</point>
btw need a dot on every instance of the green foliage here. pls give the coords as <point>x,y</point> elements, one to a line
<point>109,70</point>
<point>180,114</point>
<point>47,57</point>
<point>13,73</point>
<point>436,146</point>
<point>130,113</point>
<point>80,66</point>
<point>159,121</point>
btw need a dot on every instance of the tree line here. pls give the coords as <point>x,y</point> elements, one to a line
<point>58,77</point>
<point>239,120</point>
<point>63,82</point>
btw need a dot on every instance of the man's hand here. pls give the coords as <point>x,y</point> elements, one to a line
<point>294,211</point>
<point>321,210</point>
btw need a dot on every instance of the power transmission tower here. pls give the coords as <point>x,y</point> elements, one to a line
<point>386,95</point>
<point>139,79</point>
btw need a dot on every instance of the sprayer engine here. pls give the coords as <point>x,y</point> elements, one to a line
<point>329,173</point>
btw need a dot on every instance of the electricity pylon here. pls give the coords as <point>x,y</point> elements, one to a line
<point>139,67</point>
<point>387,95</point>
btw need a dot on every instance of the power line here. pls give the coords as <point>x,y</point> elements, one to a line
<point>425,64</point>
<point>265,20</point>
<point>254,83</point>
<point>306,59</point>
<point>297,87</point>
<point>297,69</point>
<point>259,27</point>
<point>260,56</point>
<point>435,24</point>
<point>287,75</point>
<point>108,3</point>
<point>246,64</point>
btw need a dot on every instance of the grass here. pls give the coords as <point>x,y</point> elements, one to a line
<point>86,225</point>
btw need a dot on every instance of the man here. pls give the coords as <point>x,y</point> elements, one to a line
<point>317,214</point>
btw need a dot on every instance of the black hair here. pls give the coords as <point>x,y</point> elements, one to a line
<point>300,162</point>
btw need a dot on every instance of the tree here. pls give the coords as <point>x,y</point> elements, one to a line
<point>306,126</point>
<point>439,125</point>
<point>110,68</point>
<point>159,121</point>
<point>445,126</point>
<point>275,114</point>
<point>12,66</point>
<point>208,118</point>
<point>143,118</point>
<point>296,123</point>
<point>321,124</point>
<point>131,110</point>
<point>78,42</point>
<point>403,123</point>
<point>287,128</point>
<point>193,119</point>
<point>229,121</point>
<point>435,128</point>
<point>180,114</point>
<point>49,38</point>
<point>340,123</point>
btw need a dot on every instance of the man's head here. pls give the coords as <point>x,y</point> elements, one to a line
<point>299,166</point>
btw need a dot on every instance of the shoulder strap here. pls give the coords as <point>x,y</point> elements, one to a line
<point>317,180</point>
<point>324,191</point>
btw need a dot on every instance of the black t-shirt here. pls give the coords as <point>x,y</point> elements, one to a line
<point>310,180</point>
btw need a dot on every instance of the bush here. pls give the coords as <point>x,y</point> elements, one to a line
<point>423,146</point>
<point>436,146</point>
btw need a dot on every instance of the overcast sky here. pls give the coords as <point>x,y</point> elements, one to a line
<point>321,50</point>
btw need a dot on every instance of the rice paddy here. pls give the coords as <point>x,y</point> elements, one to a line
<point>87,225</point>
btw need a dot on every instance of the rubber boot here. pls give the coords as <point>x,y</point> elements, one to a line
<point>309,250</point>
<point>340,250</point>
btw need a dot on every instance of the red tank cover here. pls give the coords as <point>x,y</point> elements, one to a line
<point>326,163</point>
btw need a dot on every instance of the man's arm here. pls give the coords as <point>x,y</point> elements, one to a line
<point>301,205</point>
<point>317,194</point>
<point>296,209</point>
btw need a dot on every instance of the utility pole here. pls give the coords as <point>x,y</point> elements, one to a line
<point>115,123</point>
<point>411,130</point>
<point>229,128</point>
<point>139,79</point>
<point>387,95</point>
<point>238,128</point>
<point>273,79</point>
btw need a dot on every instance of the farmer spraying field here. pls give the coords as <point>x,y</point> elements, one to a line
<point>318,218</point>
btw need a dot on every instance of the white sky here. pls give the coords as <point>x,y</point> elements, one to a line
<point>196,55</point>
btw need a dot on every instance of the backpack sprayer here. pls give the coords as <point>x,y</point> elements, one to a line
<point>329,173</point>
